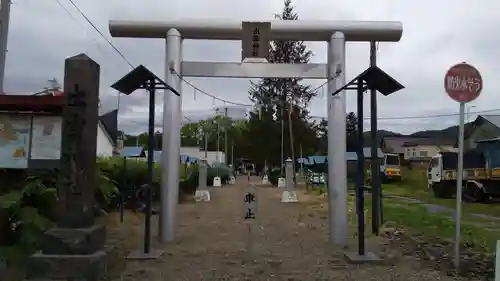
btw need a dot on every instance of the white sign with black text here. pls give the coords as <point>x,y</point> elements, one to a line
<point>250,204</point>
<point>255,41</point>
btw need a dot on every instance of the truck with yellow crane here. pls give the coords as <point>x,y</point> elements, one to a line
<point>481,172</point>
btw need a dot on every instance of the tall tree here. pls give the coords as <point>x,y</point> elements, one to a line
<point>280,101</point>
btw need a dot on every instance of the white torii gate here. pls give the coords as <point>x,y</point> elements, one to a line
<point>335,33</point>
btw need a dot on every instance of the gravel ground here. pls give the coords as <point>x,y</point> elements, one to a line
<point>289,243</point>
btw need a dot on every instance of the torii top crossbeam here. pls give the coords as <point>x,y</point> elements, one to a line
<point>293,30</point>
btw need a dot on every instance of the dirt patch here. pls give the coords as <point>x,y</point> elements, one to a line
<point>436,254</point>
<point>289,242</point>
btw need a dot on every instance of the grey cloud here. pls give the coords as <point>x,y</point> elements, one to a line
<point>42,35</point>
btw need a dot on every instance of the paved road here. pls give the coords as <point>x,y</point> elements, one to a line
<point>289,243</point>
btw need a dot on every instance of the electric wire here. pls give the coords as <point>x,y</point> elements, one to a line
<point>101,34</point>
<point>196,88</point>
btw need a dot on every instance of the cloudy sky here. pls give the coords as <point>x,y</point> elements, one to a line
<point>436,35</point>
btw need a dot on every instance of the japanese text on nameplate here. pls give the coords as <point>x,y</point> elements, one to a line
<point>255,42</point>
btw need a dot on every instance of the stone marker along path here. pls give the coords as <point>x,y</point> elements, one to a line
<point>289,243</point>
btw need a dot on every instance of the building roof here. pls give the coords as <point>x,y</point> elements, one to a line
<point>490,118</point>
<point>109,123</point>
<point>493,119</point>
<point>428,141</point>
<point>489,140</point>
<point>350,156</point>
<point>132,151</point>
<point>396,143</point>
<point>184,158</point>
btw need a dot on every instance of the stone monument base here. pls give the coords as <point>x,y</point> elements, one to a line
<point>61,241</point>
<point>140,255</point>
<point>88,267</point>
<point>355,258</point>
<point>70,254</point>
<point>202,195</point>
<point>289,196</point>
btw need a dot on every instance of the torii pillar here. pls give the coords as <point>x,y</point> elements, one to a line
<point>335,33</point>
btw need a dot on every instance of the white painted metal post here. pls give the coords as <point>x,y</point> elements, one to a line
<point>169,191</point>
<point>460,173</point>
<point>337,179</point>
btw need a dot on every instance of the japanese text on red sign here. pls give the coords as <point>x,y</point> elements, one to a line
<point>463,83</point>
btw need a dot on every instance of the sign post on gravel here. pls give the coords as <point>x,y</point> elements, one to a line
<point>463,84</point>
<point>250,215</point>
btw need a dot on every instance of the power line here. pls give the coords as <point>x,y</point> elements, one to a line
<point>237,103</point>
<point>100,33</point>
<point>420,116</point>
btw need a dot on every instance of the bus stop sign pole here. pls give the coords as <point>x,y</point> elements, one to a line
<point>463,84</point>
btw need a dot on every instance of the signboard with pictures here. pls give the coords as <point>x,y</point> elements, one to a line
<point>250,204</point>
<point>255,41</point>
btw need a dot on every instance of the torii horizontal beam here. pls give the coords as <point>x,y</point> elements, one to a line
<point>293,30</point>
<point>253,70</point>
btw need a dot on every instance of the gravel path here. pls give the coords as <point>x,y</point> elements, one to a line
<point>289,243</point>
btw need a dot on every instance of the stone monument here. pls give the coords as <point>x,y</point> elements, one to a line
<point>202,194</point>
<point>290,194</point>
<point>74,249</point>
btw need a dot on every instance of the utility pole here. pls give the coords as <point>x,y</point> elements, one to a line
<point>232,153</point>
<point>4,33</point>
<point>206,146</point>
<point>282,135</point>
<point>226,158</point>
<point>301,162</point>
<point>292,146</point>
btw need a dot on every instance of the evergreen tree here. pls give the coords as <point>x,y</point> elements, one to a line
<point>351,131</point>
<point>280,100</point>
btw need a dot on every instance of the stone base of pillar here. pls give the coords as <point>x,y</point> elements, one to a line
<point>70,254</point>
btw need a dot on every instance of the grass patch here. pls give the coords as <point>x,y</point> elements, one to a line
<point>477,234</point>
<point>414,185</point>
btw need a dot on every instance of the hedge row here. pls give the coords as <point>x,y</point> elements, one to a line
<point>27,198</point>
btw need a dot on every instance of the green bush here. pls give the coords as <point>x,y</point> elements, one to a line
<point>27,208</point>
<point>274,175</point>
<point>225,172</point>
<point>27,198</point>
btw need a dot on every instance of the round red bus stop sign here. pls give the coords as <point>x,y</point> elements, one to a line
<point>463,82</point>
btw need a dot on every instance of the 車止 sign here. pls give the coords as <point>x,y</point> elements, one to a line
<point>255,41</point>
<point>250,203</point>
<point>463,82</point>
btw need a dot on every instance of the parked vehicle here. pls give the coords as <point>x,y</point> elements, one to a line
<point>481,174</point>
<point>390,168</point>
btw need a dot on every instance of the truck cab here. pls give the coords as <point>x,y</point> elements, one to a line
<point>478,184</point>
<point>392,167</point>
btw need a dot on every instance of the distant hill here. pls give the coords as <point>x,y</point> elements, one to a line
<point>450,133</point>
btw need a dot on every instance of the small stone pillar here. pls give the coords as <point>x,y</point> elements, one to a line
<point>289,173</point>
<point>290,194</point>
<point>202,174</point>
<point>74,249</point>
<point>202,194</point>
